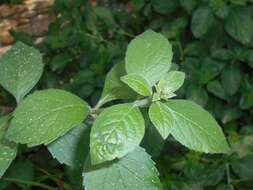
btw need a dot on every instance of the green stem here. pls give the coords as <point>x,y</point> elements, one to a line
<point>142,103</point>
<point>31,183</point>
<point>229,181</point>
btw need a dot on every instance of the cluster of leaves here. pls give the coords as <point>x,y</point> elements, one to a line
<point>212,43</point>
<point>54,117</point>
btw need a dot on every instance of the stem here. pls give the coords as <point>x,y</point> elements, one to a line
<point>180,49</point>
<point>228,177</point>
<point>31,183</point>
<point>142,103</point>
<point>228,174</point>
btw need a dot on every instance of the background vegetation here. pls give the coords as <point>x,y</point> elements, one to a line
<point>212,42</point>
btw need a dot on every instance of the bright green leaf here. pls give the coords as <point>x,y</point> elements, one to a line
<point>195,128</point>
<point>114,88</point>
<point>149,55</point>
<point>171,82</point>
<point>161,118</point>
<point>202,21</point>
<point>117,131</point>
<point>46,115</point>
<point>138,83</point>
<point>72,148</point>
<point>20,69</point>
<point>135,171</point>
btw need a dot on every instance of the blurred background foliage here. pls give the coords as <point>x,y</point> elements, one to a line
<point>212,42</point>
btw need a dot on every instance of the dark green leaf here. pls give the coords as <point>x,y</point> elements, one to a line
<point>72,148</point>
<point>202,21</point>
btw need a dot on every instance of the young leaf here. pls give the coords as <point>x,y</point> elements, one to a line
<point>114,88</point>
<point>149,55</point>
<point>117,131</point>
<point>135,171</point>
<point>202,21</point>
<point>161,118</point>
<point>20,69</point>
<point>171,82</point>
<point>72,148</point>
<point>46,115</point>
<point>195,128</point>
<point>138,83</point>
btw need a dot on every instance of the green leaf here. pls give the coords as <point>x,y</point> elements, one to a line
<point>46,115</point>
<point>164,6</point>
<point>135,171</point>
<point>195,128</point>
<point>171,82</point>
<point>239,25</point>
<point>72,148</point>
<point>152,141</point>
<point>244,167</point>
<point>202,21</point>
<point>114,88</point>
<point>197,94</point>
<point>60,61</point>
<point>106,16</point>
<point>175,27</point>
<point>209,69</point>
<point>138,83</point>
<point>22,170</point>
<point>230,79</point>
<point>7,155</point>
<point>215,88</point>
<point>149,55</point>
<point>161,118</point>
<point>117,131</point>
<point>219,7</point>
<point>4,123</point>
<point>188,5</point>
<point>7,150</point>
<point>222,54</point>
<point>20,69</point>
<point>246,101</point>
